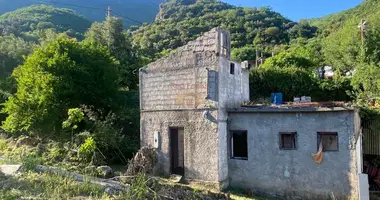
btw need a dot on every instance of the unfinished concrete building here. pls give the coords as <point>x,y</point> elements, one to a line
<point>184,101</point>
<point>191,112</point>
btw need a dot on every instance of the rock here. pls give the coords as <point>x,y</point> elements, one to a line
<point>10,169</point>
<point>25,141</point>
<point>79,198</point>
<point>9,140</point>
<point>105,170</point>
<point>143,162</point>
<point>176,178</point>
<point>91,169</point>
<point>111,191</point>
<point>40,148</point>
<point>117,173</point>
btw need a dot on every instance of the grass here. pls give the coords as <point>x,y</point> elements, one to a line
<point>30,185</point>
<point>244,195</point>
<point>47,186</point>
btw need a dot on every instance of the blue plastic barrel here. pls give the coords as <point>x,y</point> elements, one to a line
<point>276,98</point>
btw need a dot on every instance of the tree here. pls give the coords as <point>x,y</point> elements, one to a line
<point>111,35</point>
<point>12,51</point>
<point>63,74</point>
<point>367,73</point>
<point>30,21</point>
<point>303,29</point>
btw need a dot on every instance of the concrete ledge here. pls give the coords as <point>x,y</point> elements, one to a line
<point>268,109</point>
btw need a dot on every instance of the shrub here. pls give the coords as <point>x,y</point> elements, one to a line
<point>290,81</point>
<point>31,161</point>
<point>87,149</point>
<point>295,82</point>
<point>61,75</point>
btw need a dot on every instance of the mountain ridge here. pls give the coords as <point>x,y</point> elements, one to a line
<point>96,10</point>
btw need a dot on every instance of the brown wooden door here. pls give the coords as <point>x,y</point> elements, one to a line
<point>177,151</point>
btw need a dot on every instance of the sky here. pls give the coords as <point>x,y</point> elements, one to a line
<point>300,9</point>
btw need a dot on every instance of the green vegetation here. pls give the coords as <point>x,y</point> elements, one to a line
<point>132,9</point>
<point>181,21</point>
<point>47,186</point>
<point>69,89</point>
<point>295,82</point>
<point>64,74</point>
<point>110,34</point>
<point>30,22</point>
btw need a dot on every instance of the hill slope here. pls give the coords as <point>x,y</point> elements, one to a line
<point>180,21</point>
<point>95,10</point>
<point>341,35</point>
<point>369,9</point>
<point>27,22</point>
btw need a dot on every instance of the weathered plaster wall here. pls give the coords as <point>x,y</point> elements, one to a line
<point>266,167</point>
<point>200,141</point>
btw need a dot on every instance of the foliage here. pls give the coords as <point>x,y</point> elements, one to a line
<point>132,9</point>
<point>111,35</point>
<point>75,116</point>
<point>12,50</point>
<point>30,22</point>
<point>291,82</point>
<point>47,186</point>
<point>341,49</point>
<point>295,82</point>
<point>301,53</point>
<point>88,148</point>
<point>30,162</point>
<point>181,21</point>
<point>64,74</point>
<point>303,30</point>
<point>367,72</point>
<point>140,190</point>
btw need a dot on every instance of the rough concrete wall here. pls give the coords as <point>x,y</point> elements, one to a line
<point>175,91</point>
<point>178,87</point>
<point>245,96</point>
<point>200,141</point>
<point>230,85</point>
<point>267,166</point>
<point>180,81</point>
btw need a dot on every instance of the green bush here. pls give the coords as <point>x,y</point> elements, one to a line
<point>31,161</point>
<point>294,82</point>
<point>63,74</point>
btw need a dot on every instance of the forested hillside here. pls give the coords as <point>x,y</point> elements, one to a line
<point>342,40</point>
<point>95,10</point>
<point>180,21</point>
<point>30,22</point>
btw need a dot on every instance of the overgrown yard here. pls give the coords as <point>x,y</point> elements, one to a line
<point>31,185</point>
<point>27,183</point>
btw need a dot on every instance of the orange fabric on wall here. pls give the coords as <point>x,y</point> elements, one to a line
<point>318,157</point>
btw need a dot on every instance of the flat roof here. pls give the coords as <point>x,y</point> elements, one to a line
<point>295,107</point>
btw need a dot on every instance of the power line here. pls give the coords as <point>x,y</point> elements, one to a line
<point>127,18</point>
<point>72,5</point>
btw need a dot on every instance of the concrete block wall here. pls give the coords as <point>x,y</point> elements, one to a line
<point>200,141</point>
<point>176,91</point>
<point>293,174</point>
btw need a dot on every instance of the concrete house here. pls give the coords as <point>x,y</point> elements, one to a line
<point>191,113</point>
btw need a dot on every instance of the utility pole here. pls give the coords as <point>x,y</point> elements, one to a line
<point>109,11</point>
<point>257,55</point>
<point>362,26</point>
